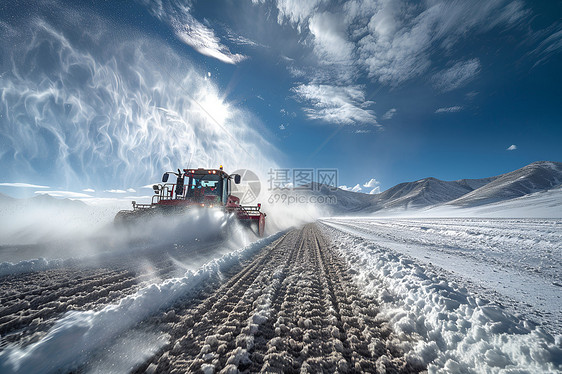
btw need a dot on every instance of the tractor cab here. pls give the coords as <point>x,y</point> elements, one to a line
<point>206,187</point>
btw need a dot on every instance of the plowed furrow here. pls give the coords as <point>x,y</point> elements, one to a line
<point>43,297</point>
<point>294,308</point>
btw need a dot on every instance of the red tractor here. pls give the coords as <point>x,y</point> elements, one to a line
<point>205,188</point>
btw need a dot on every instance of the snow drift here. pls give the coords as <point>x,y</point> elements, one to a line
<point>458,330</point>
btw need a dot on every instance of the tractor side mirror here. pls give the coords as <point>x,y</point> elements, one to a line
<point>165,177</point>
<point>156,189</point>
<point>237,178</point>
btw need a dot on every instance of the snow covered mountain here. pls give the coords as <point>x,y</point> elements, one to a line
<point>345,201</point>
<point>425,192</point>
<point>429,192</point>
<point>39,201</point>
<point>536,177</point>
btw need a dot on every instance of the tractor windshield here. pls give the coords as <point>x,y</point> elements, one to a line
<point>207,185</point>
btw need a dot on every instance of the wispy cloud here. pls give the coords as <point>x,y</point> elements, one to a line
<point>190,31</point>
<point>512,147</point>
<point>155,102</point>
<point>115,191</point>
<point>397,39</point>
<point>296,12</point>
<point>333,50</point>
<point>389,114</point>
<point>457,75</point>
<point>550,46</point>
<point>88,190</point>
<point>296,72</point>
<point>21,185</point>
<point>451,109</point>
<point>335,104</point>
<point>242,40</point>
<point>330,38</point>
<point>389,41</point>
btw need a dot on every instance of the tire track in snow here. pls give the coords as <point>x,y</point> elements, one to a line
<point>210,329</point>
<point>36,309</point>
<point>32,302</point>
<point>81,336</point>
<point>294,308</point>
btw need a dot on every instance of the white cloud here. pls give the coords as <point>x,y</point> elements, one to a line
<point>21,185</point>
<point>241,40</point>
<point>512,147</point>
<point>190,31</point>
<point>388,115</point>
<point>357,188</point>
<point>457,75</point>
<point>451,109</point>
<point>330,41</point>
<point>132,190</point>
<point>397,39</point>
<point>296,11</point>
<point>282,127</point>
<point>65,194</point>
<point>336,104</point>
<point>296,72</point>
<point>88,190</point>
<point>115,191</point>
<point>375,190</point>
<point>372,183</point>
<point>550,46</point>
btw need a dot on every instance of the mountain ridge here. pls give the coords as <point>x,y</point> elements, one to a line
<point>428,192</point>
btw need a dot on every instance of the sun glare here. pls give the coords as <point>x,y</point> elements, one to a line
<point>215,108</point>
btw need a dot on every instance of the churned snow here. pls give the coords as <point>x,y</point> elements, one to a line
<point>78,333</point>
<point>482,295</point>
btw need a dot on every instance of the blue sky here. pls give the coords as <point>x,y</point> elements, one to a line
<point>98,98</point>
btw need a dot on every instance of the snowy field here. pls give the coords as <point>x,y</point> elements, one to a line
<point>482,294</point>
<point>447,294</point>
